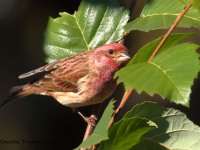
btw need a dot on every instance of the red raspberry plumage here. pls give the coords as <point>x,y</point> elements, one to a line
<point>80,80</point>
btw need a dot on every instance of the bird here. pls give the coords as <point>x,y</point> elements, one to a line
<point>80,80</point>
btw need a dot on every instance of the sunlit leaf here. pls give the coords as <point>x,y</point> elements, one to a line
<point>96,23</point>
<point>196,4</point>
<point>170,74</point>
<point>161,14</point>
<point>146,51</point>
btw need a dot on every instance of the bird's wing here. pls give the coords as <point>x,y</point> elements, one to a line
<point>69,72</point>
<point>47,67</point>
<point>65,74</point>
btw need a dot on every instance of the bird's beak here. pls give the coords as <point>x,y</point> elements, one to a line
<point>123,56</point>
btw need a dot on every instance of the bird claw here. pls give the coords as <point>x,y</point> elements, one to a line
<point>90,120</point>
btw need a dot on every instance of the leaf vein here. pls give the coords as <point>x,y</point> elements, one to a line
<point>81,32</point>
<point>181,130</point>
<point>168,77</point>
<point>168,14</point>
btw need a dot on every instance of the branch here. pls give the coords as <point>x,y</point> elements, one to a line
<point>128,93</point>
<point>121,105</point>
<point>178,19</point>
<point>93,120</point>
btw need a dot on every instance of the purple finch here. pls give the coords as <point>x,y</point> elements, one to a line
<point>76,81</point>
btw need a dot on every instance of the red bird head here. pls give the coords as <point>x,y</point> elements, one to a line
<point>109,57</point>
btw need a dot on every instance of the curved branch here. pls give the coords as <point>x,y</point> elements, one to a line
<point>128,93</point>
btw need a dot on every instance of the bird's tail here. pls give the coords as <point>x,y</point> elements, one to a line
<point>18,92</point>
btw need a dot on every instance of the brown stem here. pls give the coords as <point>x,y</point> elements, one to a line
<point>128,93</point>
<point>121,105</point>
<point>90,127</point>
<point>178,19</point>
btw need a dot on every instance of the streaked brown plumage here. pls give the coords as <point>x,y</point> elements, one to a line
<point>80,80</point>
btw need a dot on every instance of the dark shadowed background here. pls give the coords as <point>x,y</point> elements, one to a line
<point>38,122</point>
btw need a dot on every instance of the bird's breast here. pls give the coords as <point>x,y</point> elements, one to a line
<point>96,90</point>
<point>91,90</point>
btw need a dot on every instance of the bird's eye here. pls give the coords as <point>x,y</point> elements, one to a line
<point>111,51</point>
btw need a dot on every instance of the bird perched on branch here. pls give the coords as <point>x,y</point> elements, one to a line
<point>80,80</point>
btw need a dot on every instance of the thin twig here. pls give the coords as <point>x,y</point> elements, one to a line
<point>90,127</point>
<point>178,19</point>
<point>121,105</point>
<point>128,93</point>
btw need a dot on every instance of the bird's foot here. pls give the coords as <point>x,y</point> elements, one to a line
<point>90,120</point>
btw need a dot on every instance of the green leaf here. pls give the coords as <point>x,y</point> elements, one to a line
<point>142,110</point>
<point>126,133</point>
<point>196,4</point>
<point>96,23</point>
<point>161,14</point>
<point>175,130</point>
<point>100,132</point>
<point>145,52</point>
<point>170,74</point>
